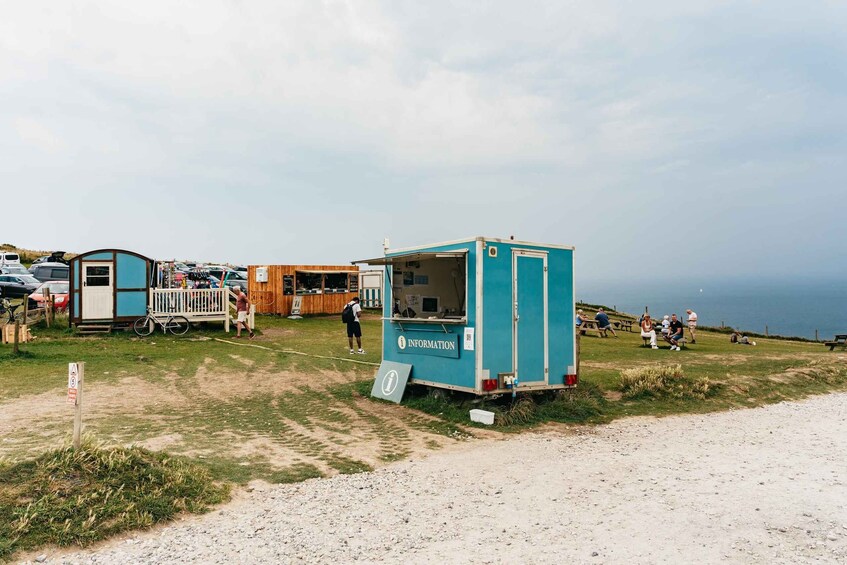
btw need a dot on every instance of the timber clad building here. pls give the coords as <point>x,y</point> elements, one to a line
<point>322,289</point>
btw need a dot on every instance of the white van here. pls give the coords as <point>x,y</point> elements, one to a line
<point>9,258</point>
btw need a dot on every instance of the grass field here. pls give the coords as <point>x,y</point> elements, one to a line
<point>293,404</point>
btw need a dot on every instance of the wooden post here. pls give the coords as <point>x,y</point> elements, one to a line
<point>577,351</point>
<point>48,310</point>
<point>766,329</point>
<point>78,407</point>
<point>816,335</point>
<point>17,329</point>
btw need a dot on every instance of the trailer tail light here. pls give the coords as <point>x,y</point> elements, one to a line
<point>571,380</point>
<point>489,384</point>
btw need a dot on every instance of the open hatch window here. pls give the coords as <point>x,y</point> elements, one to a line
<point>427,286</point>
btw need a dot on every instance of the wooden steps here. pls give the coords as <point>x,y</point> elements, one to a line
<point>94,328</point>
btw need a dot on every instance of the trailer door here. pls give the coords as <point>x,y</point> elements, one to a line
<point>529,331</point>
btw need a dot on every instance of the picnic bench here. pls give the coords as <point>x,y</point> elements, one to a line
<point>839,341</point>
<point>623,325</point>
<point>660,339</point>
<point>591,325</point>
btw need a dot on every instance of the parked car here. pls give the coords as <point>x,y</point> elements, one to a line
<point>236,278</point>
<point>50,272</point>
<point>13,270</point>
<point>16,286</point>
<point>9,258</point>
<point>59,290</point>
<point>55,257</point>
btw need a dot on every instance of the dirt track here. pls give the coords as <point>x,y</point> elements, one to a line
<point>765,485</point>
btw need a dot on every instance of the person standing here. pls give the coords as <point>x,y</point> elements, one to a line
<point>648,331</point>
<point>354,328</point>
<point>675,333</point>
<point>692,323</point>
<point>242,306</point>
<point>603,323</point>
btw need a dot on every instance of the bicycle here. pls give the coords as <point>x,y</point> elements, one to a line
<point>6,308</point>
<point>144,326</point>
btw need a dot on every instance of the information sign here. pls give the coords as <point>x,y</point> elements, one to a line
<point>390,382</point>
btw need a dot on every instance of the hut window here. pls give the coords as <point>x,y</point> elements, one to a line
<point>335,282</point>
<point>97,276</point>
<point>308,283</point>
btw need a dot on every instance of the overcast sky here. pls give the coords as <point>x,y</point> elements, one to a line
<point>659,138</point>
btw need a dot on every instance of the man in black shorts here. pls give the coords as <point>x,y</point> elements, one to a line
<point>354,328</point>
<point>675,333</point>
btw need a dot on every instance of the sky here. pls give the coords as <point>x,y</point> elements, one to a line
<point>662,139</point>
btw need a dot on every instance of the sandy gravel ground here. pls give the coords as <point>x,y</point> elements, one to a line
<point>752,486</point>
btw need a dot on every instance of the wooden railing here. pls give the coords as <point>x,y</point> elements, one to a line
<point>201,304</point>
<point>198,305</point>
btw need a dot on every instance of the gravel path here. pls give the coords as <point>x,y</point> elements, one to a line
<point>767,485</point>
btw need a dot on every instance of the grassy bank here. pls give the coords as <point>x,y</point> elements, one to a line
<point>75,497</point>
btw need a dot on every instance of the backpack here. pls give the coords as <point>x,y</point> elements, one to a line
<point>347,314</point>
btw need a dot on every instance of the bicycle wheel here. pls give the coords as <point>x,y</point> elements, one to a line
<point>177,325</point>
<point>143,326</point>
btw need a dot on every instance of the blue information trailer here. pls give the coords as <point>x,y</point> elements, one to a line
<point>482,315</point>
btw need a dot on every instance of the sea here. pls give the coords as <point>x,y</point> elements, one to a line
<point>796,308</point>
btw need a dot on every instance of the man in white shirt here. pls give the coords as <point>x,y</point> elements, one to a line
<point>354,328</point>
<point>692,323</point>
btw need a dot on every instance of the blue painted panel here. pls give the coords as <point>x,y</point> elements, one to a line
<point>105,256</point>
<point>76,310</point>
<point>131,271</point>
<point>131,303</point>
<point>530,327</point>
<point>453,372</point>
<point>497,310</point>
<point>75,267</point>
<point>561,314</point>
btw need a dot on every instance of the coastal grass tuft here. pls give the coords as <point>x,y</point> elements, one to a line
<point>668,381</point>
<point>78,496</point>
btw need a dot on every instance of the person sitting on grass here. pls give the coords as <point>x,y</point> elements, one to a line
<point>648,331</point>
<point>603,323</point>
<point>674,333</point>
<point>738,337</point>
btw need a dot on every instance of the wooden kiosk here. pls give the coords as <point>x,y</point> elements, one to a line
<point>320,289</point>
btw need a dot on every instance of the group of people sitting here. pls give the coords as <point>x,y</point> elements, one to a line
<point>672,329</point>
<point>602,319</point>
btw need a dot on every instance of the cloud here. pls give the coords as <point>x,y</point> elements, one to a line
<point>35,133</point>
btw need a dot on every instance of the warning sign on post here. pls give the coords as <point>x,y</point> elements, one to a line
<point>73,382</point>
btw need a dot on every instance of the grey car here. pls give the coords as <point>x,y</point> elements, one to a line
<point>50,272</point>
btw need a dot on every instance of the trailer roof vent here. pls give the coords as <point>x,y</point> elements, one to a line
<point>492,251</point>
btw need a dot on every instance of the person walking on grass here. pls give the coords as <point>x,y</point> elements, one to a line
<point>648,331</point>
<point>675,333</point>
<point>354,328</point>
<point>692,323</point>
<point>242,306</point>
<point>603,323</point>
